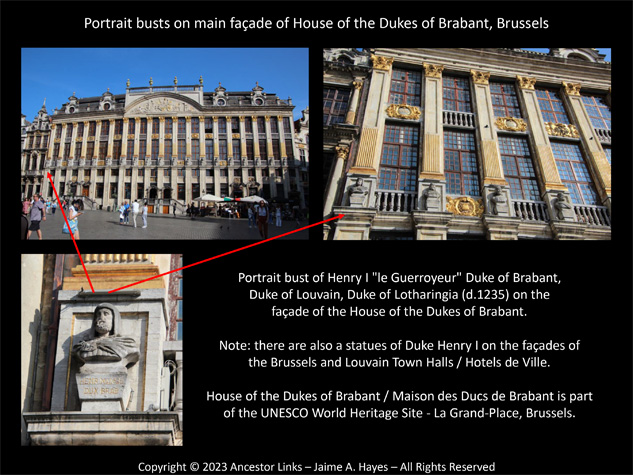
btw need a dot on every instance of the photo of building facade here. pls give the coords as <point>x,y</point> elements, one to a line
<point>166,145</point>
<point>100,368</point>
<point>467,143</point>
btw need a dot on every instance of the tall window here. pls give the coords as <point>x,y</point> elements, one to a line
<point>155,149</point>
<point>335,104</point>
<point>169,125</point>
<point>406,87</point>
<point>105,128</point>
<point>222,125</point>
<point>208,125</point>
<point>118,127</point>
<point>236,149</point>
<point>263,150</point>
<point>504,100</point>
<point>261,126</point>
<point>552,107</point>
<point>274,126</point>
<point>195,125</point>
<point>456,93</point>
<point>574,173</point>
<point>155,125</point>
<point>518,168</point>
<point>599,112</point>
<point>130,148</point>
<point>182,125</point>
<point>143,126</point>
<point>182,149</point>
<point>222,150</point>
<point>131,127</point>
<point>398,164</point>
<point>168,152</point>
<point>248,125</point>
<point>208,148</point>
<point>195,149</point>
<point>142,149</point>
<point>460,163</point>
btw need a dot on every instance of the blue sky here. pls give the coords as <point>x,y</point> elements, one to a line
<point>606,51</point>
<point>55,73</point>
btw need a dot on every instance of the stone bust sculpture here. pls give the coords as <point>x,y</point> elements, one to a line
<point>561,205</point>
<point>358,193</point>
<point>498,200</point>
<point>104,343</point>
<point>358,188</point>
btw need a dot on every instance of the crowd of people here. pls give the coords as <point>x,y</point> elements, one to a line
<point>126,209</point>
<point>260,215</point>
<point>35,210</point>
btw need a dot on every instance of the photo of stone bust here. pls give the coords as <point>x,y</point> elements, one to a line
<point>105,344</point>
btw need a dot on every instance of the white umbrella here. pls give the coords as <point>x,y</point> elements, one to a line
<point>209,197</point>
<point>253,199</point>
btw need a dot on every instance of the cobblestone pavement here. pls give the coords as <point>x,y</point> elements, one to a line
<point>105,225</point>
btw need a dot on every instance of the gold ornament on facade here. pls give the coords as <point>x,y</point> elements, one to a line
<point>155,136</point>
<point>208,136</point>
<point>130,136</point>
<point>357,84</point>
<point>235,136</point>
<point>511,124</point>
<point>465,206</point>
<point>195,136</point>
<point>525,82</point>
<point>572,89</point>
<point>404,111</point>
<point>381,62</point>
<point>342,152</point>
<point>432,70</point>
<point>117,137</point>
<point>168,136</point>
<point>561,130</point>
<point>480,77</point>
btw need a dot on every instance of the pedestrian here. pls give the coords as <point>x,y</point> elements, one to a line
<point>262,219</point>
<point>121,213</point>
<point>25,225</point>
<point>126,213</point>
<point>73,214</point>
<point>251,217</point>
<point>144,214</point>
<point>53,207</point>
<point>38,214</point>
<point>278,216</point>
<point>271,216</point>
<point>135,210</point>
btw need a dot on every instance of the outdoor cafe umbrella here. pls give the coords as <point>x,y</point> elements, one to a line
<point>252,199</point>
<point>209,197</point>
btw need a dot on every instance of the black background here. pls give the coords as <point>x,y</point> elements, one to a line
<point>592,304</point>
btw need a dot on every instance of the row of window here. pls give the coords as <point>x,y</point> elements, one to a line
<point>223,145</point>
<point>406,88</point>
<point>398,166</point>
<point>224,125</point>
<point>195,172</point>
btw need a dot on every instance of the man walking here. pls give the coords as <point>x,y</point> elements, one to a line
<point>38,214</point>
<point>144,214</point>
<point>135,209</point>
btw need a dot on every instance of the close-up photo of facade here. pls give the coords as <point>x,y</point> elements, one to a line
<point>467,143</point>
<point>101,367</point>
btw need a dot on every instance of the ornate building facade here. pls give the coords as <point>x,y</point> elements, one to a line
<point>467,143</point>
<point>167,145</point>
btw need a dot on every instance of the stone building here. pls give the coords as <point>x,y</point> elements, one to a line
<point>467,143</point>
<point>79,387</point>
<point>35,140</point>
<point>167,145</point>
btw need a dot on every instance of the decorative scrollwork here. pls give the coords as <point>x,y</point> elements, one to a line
<point>465,206</point>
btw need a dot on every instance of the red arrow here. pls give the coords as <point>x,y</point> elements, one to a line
<point>230,252</point>
<point>71,234</point>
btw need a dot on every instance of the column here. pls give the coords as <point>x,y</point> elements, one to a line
<point>242,137</point>
<point>342,153</point>
<point>368,156</point>
<point>282,138</point>
<point>229,139</point>
<point>161,138</point>
<point>124,138</point>
<point>216,139</point>
<point>355,99</point>
<point>255,140</point>
<point>188,138</point>
<point>591,143</point>
<point>110,139</point>
<point>72,141</point>
<point>269,141</point>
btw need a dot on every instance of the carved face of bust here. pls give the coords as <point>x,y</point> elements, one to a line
<point>103,321</point>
